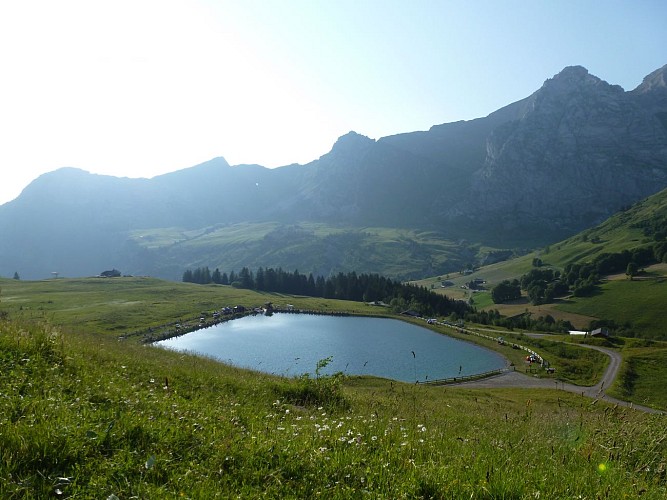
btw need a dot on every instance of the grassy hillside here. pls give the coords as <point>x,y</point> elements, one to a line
<point>643,377</point>
<point>636,304</point>
<point>121,305</point>
<point>85,416</point>
<point>309,247</point>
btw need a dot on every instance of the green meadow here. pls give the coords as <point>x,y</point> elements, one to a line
<point>638,305</point>
<point>88,416</point>
<point>125,305</point>
<point>643,376</point>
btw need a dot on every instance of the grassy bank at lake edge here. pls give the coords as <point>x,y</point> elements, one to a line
<point>139,307</point>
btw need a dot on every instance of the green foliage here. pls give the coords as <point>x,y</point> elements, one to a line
<point>506,291</point>
<point>342,286</point>
<point>643,378</point>
<point>632,269</point>
<point>323,390</point>
<point>519,322</point>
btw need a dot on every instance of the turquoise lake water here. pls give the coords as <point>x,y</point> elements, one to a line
<point>292,344</point>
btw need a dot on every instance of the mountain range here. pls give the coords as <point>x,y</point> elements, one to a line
<point>563,159</point>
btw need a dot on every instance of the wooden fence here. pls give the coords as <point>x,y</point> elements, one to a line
<point>465,378</point>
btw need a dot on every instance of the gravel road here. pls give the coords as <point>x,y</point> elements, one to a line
<point>520,380</point>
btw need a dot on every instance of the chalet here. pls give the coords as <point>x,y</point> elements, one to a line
<point>600,332</point>
<point>114,273</point>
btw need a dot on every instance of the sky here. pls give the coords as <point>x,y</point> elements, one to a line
<point>138,88</point>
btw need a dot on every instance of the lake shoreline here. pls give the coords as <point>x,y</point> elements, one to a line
<point>399,350</point>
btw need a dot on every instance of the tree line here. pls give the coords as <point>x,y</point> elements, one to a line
<point>345,286</point>
<point>521,321</point>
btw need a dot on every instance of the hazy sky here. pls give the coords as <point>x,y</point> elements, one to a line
<point>142,87</point>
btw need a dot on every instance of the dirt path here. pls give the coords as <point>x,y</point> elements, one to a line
<point>519,380</point>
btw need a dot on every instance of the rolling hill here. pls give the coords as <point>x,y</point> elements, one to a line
<point>633,307</point>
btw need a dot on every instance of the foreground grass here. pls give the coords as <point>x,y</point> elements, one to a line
<point>87,416</point>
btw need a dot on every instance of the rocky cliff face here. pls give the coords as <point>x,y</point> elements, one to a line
<point>582,150</point>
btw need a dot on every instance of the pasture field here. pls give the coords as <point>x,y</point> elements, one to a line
<point>122,305</point>
<point>638,305</point>
<point>86,416</point>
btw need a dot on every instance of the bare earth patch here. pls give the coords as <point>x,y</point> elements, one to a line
<point>522,305</point>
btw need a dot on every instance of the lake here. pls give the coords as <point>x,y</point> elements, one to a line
<point>292,344</point>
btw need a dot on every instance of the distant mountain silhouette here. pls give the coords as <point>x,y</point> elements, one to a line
<point>533,172</point>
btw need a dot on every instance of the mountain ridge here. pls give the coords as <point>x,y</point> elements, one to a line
<point>534,171</point>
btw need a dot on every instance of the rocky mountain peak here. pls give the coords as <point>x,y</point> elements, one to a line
<point>576,78</point>
<point>572,73</point>
<point>352,141</point>
<point>349,146</point>
<point>580,135</point>
<point>653,81</point>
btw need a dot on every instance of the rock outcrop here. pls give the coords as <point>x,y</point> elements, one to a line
<point>582,150</point>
